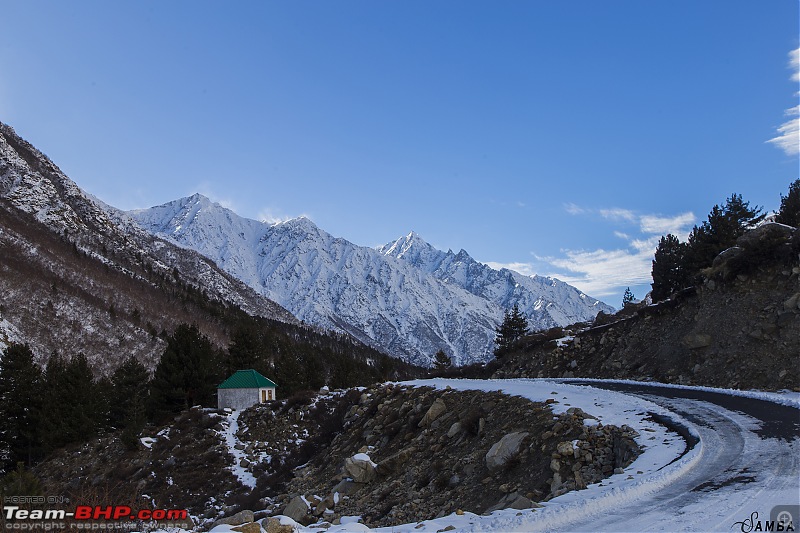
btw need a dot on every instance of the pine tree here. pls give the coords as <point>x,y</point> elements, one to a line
<point>129,395</point>
<point>627,298</point>
<point>721,229</point>
<point>441,360</point>
<point>789,213</point>
<point>187,374</point>
<point>669,272</point>
<point>514,326</point>
<point>245,350</point>
<point>72,410</point>
<point>20,406</point>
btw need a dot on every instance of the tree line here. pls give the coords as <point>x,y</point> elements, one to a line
<point>677,265</point>
<point>63,403</point>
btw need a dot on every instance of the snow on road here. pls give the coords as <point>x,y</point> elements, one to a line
<point>735,470</point>
<point>731,473</point>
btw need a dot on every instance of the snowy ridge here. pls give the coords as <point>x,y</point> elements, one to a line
<point>545,301</point>
<point>32,183</point>
<point>402,306</point>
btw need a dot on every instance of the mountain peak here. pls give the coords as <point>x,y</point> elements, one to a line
<point>198,198</point>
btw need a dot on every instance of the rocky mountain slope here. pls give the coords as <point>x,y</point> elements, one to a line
<point>407,308</point>
<point>73,279</point>
<point>740,328</point>
<point>360,452</point>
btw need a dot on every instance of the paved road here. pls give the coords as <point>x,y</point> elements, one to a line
<point>750,463</point>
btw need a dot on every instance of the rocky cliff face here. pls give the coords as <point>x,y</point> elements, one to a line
<point>740,328</point>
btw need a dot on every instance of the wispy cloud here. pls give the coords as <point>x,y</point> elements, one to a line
<point>606,272</point>
<point>523,268</point>
<point>678,225</point>
<point>788,138</point>
<point>273,216</point>
<point>573,209</point>
<point>618,214</point>
<point>603,272</point>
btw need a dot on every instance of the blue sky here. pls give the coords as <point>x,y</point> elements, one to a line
<point>561,138</point>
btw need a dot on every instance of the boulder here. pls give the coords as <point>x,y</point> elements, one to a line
<point>273,525</point>
<point>242,517</point>
<point>252,527</point>
<point>512,500</point>
<point>697,340</point>
<point>726,255</point>
<point>505,450</point>
<point>297,509</point>
<point>346,487</point>
<point>360,468</point>
<point>565,448</point>
<point>435,411</point>
<point>771,231</point>
<point>394,463</point>
<point>454,430</point>
<point>793,303</point>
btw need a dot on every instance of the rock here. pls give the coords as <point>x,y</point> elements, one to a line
<point>244,463</point>
<point>454,430</point>
<point>770,231</point>
<point>505,450</point>
<point>793,303</point>
<point>248,528</point>
<point>297,509</point>
<point>513,500</point>
<point>273,525</point>
<point>725,256</point>
<point>242,517</point>
<point>360,468</point>
<point>394,463</point>
<point>697,340</point>
<point>434,412</point>
<point>346,487</point>
<point>565,448</point>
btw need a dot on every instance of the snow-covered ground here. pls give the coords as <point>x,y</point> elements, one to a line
<point>717,485</point>
<point>231,425</point>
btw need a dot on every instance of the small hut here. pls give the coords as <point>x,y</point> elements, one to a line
<point>243,389</point>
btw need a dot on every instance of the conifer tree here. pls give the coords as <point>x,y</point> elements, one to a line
<point>789,212</point>
<point>441,360</point>
<point>20,406</point>
<point>719,231</point>
<point>72,406</point>
<point>187,374</point>
<point>669,272</point>
<point>514,326</point>
<point>245,349</point>
<point>627,298</point>
<point>129,395</point>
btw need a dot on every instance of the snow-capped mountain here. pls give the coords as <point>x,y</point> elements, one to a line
<point>74,278</point>
<point>401,302</point>
<point>545,301</point>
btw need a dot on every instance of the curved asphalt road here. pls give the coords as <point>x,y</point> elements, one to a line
<point>750,464</point>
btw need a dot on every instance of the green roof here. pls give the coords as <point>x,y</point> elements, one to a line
<point>246,379</point>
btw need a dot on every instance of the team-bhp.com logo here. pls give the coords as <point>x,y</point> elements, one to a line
<point>86,517</point>
<point>781,518</point>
